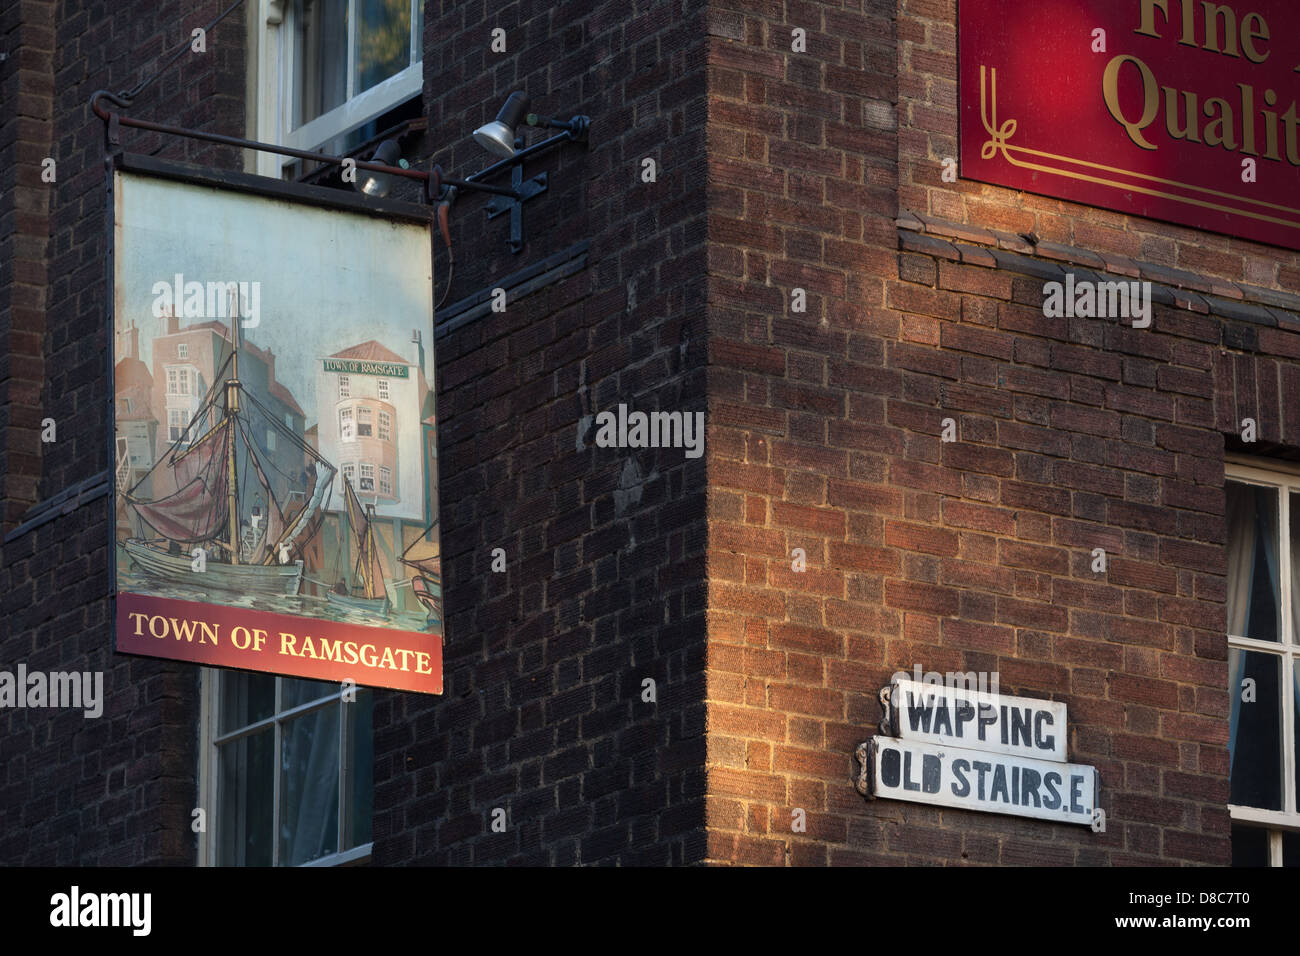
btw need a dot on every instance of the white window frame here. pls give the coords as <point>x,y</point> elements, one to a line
<point>1285,479</point>
<point>184,419</point>
<point>385,480</point>
<point>210,769</point>
<point>275,63</point>
<point>345,387</point>
<point>381,387</point>
<point>182,350</point>
<point>182,374</point>
<point>384,426</point>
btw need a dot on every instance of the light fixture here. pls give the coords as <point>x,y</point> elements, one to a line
<point>389,167</point>
<point>498,136</point>
<point>377,184</point>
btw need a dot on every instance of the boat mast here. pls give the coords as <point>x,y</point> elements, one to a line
<point>232,407</point>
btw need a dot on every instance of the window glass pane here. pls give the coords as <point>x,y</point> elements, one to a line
<point>245,699</point>
<point>294,692</point>
<point>1295,567</point>
<point>360,787</point>
<point>383,40</point>
<point>1290,849</point>
<point>309,786</point>
<point>1253,566</point>
<point>320,58</point>
<point>1249,846</point>
<point>1255,729</point>
<point>419,32</point>
<point>244,826</point>
<point>1295,723</point>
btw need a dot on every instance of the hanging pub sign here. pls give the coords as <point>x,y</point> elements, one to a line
<point>274,435</point>
<point>1170,109</point>
<point>955,747</point>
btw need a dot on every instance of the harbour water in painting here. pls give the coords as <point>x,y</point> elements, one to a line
<point>302,605</point>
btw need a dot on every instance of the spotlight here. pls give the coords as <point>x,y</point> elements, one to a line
<point>498,137</point>
<point>381,184</point>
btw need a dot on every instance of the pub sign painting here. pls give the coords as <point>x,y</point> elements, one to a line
<point>275,497</point>
<point>1177,110</point>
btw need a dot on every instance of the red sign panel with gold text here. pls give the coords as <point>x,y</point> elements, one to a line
<point>1170,109</point>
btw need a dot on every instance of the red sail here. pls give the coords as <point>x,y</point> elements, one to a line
<point>195,513</point>
<point>198,511</point>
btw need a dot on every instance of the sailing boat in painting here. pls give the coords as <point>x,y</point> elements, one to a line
<point>224,502</point>
<point>373,596</point>
<point>422,557</point>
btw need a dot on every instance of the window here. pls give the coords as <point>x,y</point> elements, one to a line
<point>385,426</point>
<point>178,381</point>
<point>332,68</point>
<point>288,420</point>
<point>367,477</point>
<point>176,422</point>
<point>346,430</point>
<point>385,480</point>
<point>182,350</point>
<point>364,418</point>
<point>287,768</point>
<point>1263,604</point>
<point>270,440</point>
<point>382,386</point>
<point>345,387</point>
<point>350,473</point>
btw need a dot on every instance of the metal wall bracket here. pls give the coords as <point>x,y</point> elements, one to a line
<point>865,757</point>
<point>526,190</point>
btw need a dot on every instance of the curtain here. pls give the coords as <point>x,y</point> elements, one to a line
<point>309,788</point>
<point>1241,572</point>
<point>1295,569</point>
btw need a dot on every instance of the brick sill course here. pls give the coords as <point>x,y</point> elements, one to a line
<point>994,249</point>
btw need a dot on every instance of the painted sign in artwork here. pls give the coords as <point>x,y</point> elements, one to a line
<point>276,507</point>
<point>1171,109</point>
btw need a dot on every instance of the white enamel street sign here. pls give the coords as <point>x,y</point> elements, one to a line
<point>962,717</point>
<point>947,776</point>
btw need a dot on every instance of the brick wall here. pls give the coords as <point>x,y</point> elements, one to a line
<point>543,714</point>
<point>119,789</point>
<point>26,80</point>
<point>976,554</point>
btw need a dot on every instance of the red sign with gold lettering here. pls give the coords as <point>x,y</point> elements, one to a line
<point>279,643</point>
<point>1170,109</point>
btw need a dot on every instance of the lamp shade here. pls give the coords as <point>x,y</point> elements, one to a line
<point>381,184</point>
<point>498,136</point>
